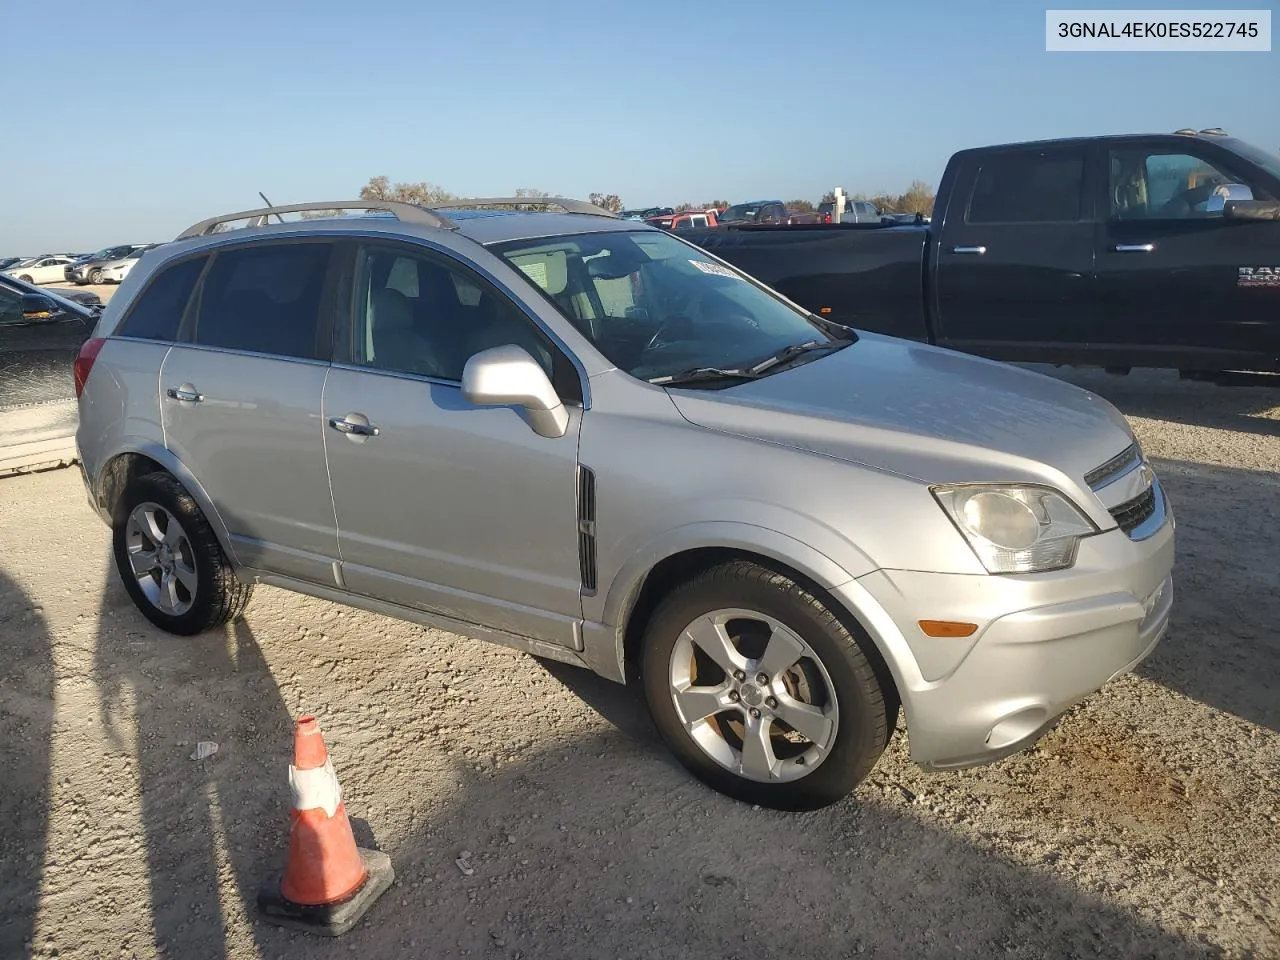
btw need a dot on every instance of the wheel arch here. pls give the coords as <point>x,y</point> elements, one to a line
<point>122,467</point>
<point>641,584</point>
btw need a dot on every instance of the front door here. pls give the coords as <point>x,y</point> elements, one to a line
<point>1169,264</point>
<point>441,505</point>
<point>1014,276</point>
<point>241,403</point>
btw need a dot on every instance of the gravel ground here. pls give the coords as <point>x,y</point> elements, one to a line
<point>1145,825</point>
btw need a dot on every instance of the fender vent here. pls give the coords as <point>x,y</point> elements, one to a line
<point>587,527</point>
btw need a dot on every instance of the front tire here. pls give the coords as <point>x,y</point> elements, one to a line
<point>26,278</point>
<point>761,691</point>
<point>170,560</point>
<point>95,275</point>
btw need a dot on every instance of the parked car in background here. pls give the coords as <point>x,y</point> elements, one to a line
<point>860,211</point>
<point>686,220</point>
<point>41,333</point>
<point>646,213</point>
<point>47,268</point>
<point>88,269</point>
<point>1158,250</point>
<point>6,262</point>
<point>85,298</point>
<point>803,216</point>
<point>756,211</point>
<point>979,544</point>
<point>114,271</point>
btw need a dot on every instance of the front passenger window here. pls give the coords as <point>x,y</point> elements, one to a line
<point>422,315</point>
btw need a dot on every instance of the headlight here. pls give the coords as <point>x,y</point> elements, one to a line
<point>1016,528</point>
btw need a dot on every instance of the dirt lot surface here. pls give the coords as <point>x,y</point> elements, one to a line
<point>1146,825</point>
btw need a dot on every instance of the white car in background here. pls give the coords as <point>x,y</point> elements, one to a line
<point>114,271</point>
<point>48,268</point>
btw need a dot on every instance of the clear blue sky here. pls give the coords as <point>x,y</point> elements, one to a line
<point>142,117</point>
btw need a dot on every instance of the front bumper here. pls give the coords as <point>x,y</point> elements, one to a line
<point>1044,642</point>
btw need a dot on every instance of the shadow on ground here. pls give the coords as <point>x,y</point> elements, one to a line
<point>26,731</point>
<point>1223,647</point>
<point>601,848</point>
<point>201,819</point>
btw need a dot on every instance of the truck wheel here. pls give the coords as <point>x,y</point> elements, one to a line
<point>761,691</point>
<point>170,560</point>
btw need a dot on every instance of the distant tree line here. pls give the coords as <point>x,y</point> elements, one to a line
<point>917,199</point>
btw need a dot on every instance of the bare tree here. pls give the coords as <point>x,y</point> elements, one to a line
<point>917,199</point>
<point>829,197</point>
<point>886,203</point>
<point>608,201</point>
<point>381,188</point>
<point>800,206</point>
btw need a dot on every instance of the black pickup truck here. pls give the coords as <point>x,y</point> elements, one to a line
<point>1128,251</point>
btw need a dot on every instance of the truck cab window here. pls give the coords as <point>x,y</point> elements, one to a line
<point>1168,186</point>
<point>1028,188</point>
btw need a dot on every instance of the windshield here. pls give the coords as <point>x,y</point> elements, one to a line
<point>742,211</point>
<point>1268,161</point>
<point>656,306</point>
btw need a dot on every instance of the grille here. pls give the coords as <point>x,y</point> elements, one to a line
<point>1133,513</point>
<point>587,527</point>
<point>1113,468</point>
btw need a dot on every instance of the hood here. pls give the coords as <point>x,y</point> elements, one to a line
<point>922,412</point>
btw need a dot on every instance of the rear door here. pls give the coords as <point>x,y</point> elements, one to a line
<point>241,397</point>
<point>455,509</point>
<point>1014,274</point>
<point>1170,282</point>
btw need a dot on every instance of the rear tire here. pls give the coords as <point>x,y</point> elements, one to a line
<point>170,560</point>
<point>840,718</point>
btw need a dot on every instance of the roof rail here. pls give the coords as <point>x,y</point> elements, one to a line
<point>404,212</point>
<point>568,206</point>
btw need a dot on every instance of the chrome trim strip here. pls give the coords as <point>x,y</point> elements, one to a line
<point>1127,459</point>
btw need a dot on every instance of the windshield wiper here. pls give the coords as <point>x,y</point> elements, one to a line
<point>787,354</point>
<point>753,372</point>
<point>703,375</point>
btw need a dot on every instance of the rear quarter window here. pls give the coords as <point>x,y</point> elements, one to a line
<point>158,311</point>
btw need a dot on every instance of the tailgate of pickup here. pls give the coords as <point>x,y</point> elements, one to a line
<point>869,277</point>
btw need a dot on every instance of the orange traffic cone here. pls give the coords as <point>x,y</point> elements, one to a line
<point>328,882</point>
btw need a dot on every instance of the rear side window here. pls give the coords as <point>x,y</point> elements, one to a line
<point>1028,188</point>
<point>156,314</point>
<point>266,299</point>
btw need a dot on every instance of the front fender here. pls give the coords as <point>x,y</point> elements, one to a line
<point>606,613</point>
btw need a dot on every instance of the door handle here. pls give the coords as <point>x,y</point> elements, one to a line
<point>1134,247</point>
<point>353,428</point>
<point>185,393</point>
<point>975,251</point>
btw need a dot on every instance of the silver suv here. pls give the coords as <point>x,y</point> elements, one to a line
<point>584,438</point>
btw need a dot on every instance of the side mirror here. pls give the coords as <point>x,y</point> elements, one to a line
<point>1226,193</point>
<point>1252,210</point>
<point>508,377</point>
<point>37,307</point>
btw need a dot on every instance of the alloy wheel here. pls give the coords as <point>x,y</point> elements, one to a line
<point>161,558</point>
<point>753,695</point>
